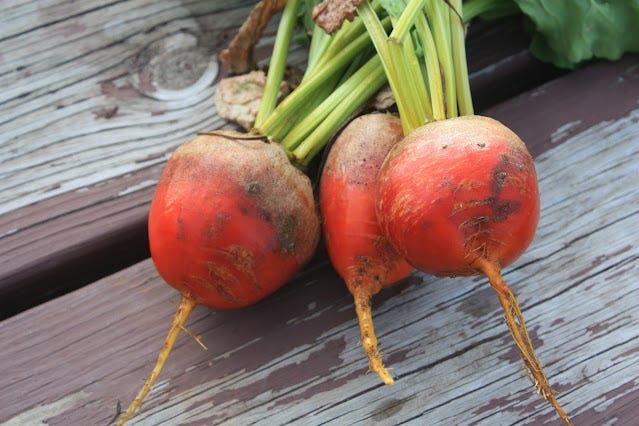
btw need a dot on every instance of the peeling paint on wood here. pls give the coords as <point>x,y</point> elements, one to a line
<point>40,414</point>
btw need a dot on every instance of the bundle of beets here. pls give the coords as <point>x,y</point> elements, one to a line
<point>425,184</point>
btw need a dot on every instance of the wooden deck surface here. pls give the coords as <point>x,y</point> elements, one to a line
<point>86,123</point>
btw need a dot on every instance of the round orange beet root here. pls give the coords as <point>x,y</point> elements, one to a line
<point>460,197</point>
<point>457,190</point>
<point>231,220</point>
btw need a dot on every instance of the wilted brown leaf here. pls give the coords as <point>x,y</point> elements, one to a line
<point>238,56</point>
<point>238,98</point>
<point>330,14</point>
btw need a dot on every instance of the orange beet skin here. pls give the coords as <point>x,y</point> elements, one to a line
<point>460,197</point>
<point>231,220</point>
<point>359,251</point>
<point>457,190</point>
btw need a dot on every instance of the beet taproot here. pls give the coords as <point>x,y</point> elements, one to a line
<point>231,221</point>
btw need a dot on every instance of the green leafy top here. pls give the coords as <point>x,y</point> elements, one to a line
<point>568,32</point>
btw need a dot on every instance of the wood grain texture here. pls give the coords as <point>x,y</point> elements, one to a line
<point>110,88</point>
<point>295,358</point>
<point>95,97</point>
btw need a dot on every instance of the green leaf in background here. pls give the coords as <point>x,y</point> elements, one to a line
<point>304,17</point>
<point>568,32</point>
<point>393,7</point>
<point>488,9</point>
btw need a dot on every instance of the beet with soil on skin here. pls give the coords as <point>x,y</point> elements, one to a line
<point>456,190</point>
<point>231,221</point>
<point>460,197</point>
<point>358,250</point>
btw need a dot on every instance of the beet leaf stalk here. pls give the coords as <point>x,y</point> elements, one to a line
<point>344,74</point>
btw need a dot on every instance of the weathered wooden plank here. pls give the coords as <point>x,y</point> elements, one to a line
<point>295,357</point>
<point>109,95</point>
<point>85,128</point>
